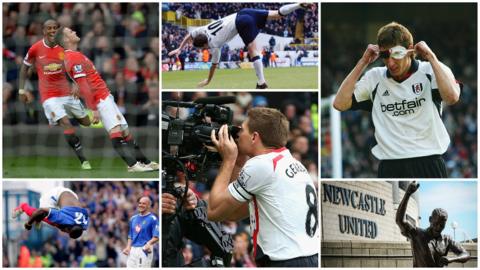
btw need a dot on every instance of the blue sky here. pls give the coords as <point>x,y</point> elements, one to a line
<point>459,198</point>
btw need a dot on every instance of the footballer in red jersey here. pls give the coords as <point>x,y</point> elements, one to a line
<point>55,94</point>
<point>98,98</point>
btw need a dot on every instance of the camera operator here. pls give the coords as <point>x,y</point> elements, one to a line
<point>175,237</point>
<point>186,157</point>
<point>186,217</point>
<point>274,188</point>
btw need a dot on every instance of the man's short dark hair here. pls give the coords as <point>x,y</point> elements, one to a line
<point>394,34</point>
<point>76,231</point>
<point>45,23</point>
<point>271,124</point>
<point>200,40</point>
<point>59,37</point>
<point>439,212</point>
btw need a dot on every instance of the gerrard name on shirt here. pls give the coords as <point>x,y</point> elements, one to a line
<point>294,168</point>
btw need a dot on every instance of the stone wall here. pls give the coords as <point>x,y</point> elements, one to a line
<point>377,254</point>
<point>386,226</point>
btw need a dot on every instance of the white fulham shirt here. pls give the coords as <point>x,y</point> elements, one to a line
<point>218,33</point>
<point>282,205</point>
<point>407,114</point>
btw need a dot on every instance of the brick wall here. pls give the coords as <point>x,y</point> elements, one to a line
<point>377,254</point>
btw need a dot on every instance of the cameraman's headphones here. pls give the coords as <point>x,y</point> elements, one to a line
<point>146,196</point>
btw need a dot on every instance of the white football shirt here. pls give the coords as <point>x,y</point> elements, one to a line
<point>282,205</point>
<point>407,114</point>
<point>218,33</point>
<point>50,197</point>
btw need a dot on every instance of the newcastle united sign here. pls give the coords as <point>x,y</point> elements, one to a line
<point>359,201</point>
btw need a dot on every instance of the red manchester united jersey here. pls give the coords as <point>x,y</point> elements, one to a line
<point>48,62</point>
<point>79,67</point>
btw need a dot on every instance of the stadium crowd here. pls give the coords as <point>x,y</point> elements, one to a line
<point>284,27</point>
<point>121,39</point>
<point>173,35</point>
<point>110,206</point>
<point>301,111</point>
<point>357,129</point>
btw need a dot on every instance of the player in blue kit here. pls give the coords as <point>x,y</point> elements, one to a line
<point>142,235</point>
<point>60,208</point>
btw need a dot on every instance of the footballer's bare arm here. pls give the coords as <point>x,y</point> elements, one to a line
<point>343,99</point>
<point>221,204</point>
<point>36,216</point>
<point>239,214</point>
<point>127,249</point>
<point>447,86</point>
<point>242,211</point>
<point>148,246</point>
<point>210,76</point>
<point>186,39</point>
<point>24,95</point>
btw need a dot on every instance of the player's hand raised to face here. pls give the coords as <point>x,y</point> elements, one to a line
<point>422,49</point>
<point>371,54</point>
<point>225,144</point>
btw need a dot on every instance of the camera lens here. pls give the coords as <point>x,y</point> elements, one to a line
<point>233,131</point>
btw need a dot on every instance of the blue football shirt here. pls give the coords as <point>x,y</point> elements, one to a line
<point>142,229</point>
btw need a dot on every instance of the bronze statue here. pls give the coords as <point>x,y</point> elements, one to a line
<point>429,246</point>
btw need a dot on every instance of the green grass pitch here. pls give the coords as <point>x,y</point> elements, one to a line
<point>277,78</point>
<point>68,167</point>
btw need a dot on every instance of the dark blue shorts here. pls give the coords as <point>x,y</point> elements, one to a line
<point>249,21</point>
<point>69,216</point>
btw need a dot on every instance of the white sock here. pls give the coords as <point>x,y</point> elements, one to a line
<point>258,65</point>
<point>287,9</point>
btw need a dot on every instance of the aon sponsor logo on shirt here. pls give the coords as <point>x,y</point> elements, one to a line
<point>404,107</point>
